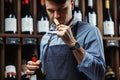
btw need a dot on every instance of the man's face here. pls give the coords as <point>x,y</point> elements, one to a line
<point>61,12</point>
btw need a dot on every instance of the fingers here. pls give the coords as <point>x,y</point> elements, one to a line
<point>56,22</point>
<point>38,62</point>
<point>33,66</point>
<point>65,33</point>
<point>30,72</point>
<point>62,30</point>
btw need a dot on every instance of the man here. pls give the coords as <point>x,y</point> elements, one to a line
<point>75,52</point>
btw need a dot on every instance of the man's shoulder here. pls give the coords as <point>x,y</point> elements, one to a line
<point>45,38</point>
<point>85,25</point>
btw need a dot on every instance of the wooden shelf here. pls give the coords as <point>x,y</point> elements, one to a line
<point>113,54</point>
<point>109,38</point>
<point>20,35</point>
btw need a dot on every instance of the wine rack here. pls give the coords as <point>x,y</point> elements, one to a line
<point>17,51</point>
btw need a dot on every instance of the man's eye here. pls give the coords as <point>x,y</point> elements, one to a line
<point>62,9</point>
<point>51,11</point>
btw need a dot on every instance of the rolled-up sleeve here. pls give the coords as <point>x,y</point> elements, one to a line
<point>93,63</point>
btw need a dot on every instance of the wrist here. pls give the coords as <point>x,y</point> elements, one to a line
<point>72,43</point>
<point>75,46</point>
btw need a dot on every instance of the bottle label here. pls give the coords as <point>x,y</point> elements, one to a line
<point>108,28</point>
<point>11,24</point>
<point>43,26</point>
<point>78,15</point>
<point>10,69</point>
<point>27,24</point>
<point>92,18</point>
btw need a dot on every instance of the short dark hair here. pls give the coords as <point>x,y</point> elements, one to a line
<point>58,1</point>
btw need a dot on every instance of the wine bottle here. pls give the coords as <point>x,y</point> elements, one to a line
<point>119,72</point>
<point>110,75</point>
<point>43,21</point>
<point>24,70</point>
<point>119,19</point>
<point>38,73</point>
<point>77,11</point>
<point>27,19</point>
<point>108,23</point>
<point>10,71</point>
<point>10,17</point>
<point>91,14</point>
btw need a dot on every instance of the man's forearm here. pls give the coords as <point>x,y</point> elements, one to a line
<point>79,54</point>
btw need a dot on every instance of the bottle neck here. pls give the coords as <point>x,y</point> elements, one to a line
<point>42,10</point>
<point>25,1</point>
<point>42,2</point>
<point>42,5</point>
<point>26,7</point>
<point>76,3</point>
<point>9,5</point>
<point>9,11</point>
<point>107,5</point>
<point>26,4</point>
<point>90,3</point>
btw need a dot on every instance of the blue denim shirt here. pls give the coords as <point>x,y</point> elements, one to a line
<point>59,62</point>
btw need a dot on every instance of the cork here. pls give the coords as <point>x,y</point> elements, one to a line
<point>56,22</point>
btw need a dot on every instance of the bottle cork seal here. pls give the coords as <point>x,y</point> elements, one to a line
<point>34,58</point>
<point>56,22</point>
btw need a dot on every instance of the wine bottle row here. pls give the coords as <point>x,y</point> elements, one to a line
<point>27,26</point>
<point>108,25</point>
<point>10,72</point>
<point>11,69</point>
<point>11,64</point>
<point>42,23</point>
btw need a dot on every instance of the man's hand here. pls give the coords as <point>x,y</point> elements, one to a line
<point>66,34</point>
<point>32,67</point>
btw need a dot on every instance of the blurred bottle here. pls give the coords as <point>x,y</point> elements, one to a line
<point>119,72</point>
<point>110,75</point>
<point>108,23</point>
<point>24,69</point>
<point>119,19</point>
<point>10,17</point>
<point>26,16</point>
<point>10,72</point>
<point>38,73</point>
<point>91,14</point>
<point>43,21</point>
<point>77,11</point>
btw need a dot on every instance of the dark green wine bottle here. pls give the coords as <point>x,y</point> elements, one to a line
<point>110,75</point>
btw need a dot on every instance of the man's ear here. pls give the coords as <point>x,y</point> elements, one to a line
<point>72,4</point>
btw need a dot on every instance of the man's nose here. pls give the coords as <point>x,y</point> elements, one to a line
<point>56,14</point>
